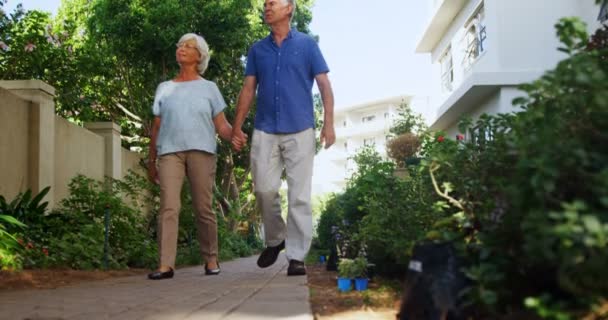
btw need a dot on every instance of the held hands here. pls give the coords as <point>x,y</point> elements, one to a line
<point>239,139</point>
<point>328,136</point>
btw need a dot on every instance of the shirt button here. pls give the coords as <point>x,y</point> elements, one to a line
<point>276,98</point>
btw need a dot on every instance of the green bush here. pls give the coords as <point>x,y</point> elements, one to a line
<point>15,219</point>
<point>400,212</point>
<point>9,247</point>
<point>73,234</point>
<point>86,207</point>
<point>528,192</point>
<point>345,268</point>
<point>379,215</point>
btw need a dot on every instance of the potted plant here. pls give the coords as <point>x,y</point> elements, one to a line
<point>408,131</point>
<point>402,149</point>
<point>345,274</point>
<point>359,273</point>
<point>322,256</point>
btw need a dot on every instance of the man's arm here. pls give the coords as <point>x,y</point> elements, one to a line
<point>328,134</point>
<point>239,138</point>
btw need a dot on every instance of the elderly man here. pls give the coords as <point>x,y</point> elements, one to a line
<point>283,67</point>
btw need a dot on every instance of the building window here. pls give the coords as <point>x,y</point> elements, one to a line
<point>447,70</point>
<point>344,123</point>
<point>471,47</point>
<point>345,146</point>
<point>475,36</point>
<point>603,16</point>
<point>385,115</point>
<point>368,118</point>
<point>369,141</point>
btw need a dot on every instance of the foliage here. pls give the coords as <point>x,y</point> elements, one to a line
<point>73,234</point>
<point>524,197</point>
<point>23,211</point>
<point>403,146</point>
<point>329,219</point>
<point>345,268</point>
<point>9,258</point>
<point>105,59</point>
<point>379,215</point>
<point>35,47</point>
<point>359,267</point>
<point>528,191</point>
<point>408,121</point>
<point>352,268</point>
<point>401,212</point>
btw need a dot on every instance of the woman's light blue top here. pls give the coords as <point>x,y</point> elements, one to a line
<point>186,110</point>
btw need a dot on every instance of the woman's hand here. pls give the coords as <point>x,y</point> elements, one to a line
<point>153,172</point>
<point>239,139</point>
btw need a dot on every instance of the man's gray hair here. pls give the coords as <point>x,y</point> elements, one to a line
<point>201,46</point>
<point>293,11</point>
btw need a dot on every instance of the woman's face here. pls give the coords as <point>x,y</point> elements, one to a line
<point>187,53</point>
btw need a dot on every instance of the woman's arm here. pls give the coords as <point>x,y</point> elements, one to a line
<point>222,127</point>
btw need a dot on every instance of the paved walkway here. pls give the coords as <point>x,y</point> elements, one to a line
<point>241,292</point>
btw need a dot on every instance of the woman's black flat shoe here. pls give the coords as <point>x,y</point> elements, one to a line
<point>212,272</point>
<point>159,275</point>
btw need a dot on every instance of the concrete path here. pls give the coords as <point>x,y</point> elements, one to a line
<point>241,292</point>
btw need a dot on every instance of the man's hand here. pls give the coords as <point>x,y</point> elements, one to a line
<point>239,139</point>
<point>328,135</point>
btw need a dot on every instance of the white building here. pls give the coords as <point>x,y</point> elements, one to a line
<point>356,126</point>
<point>483,49</point>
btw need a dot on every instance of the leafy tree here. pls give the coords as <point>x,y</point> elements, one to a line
<point>106,57</point>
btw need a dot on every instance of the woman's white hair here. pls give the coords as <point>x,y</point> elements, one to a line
<point>201,46</point>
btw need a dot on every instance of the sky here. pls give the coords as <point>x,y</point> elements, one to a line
<point>369,46</point>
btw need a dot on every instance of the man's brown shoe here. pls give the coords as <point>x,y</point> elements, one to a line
<point>269,256</point>
<point>296,268</point>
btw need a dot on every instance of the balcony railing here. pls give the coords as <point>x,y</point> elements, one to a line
<point>364,128</point>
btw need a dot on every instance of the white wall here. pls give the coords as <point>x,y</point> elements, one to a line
<point>520,37</point>
<point>499,102</point>
<point>526,30</point>
<point>488,61</point>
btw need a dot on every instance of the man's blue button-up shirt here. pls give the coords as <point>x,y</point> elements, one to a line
<point>285,76</point>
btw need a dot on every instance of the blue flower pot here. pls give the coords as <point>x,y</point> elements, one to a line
<point>322,259</point>
<point>361,284</point>
<point>344,284</point>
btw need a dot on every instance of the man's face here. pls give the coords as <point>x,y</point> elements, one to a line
<point>276,10</point>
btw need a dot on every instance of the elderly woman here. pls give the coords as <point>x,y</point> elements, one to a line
<point>188,113</point>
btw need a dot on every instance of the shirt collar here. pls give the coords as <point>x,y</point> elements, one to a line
<point>290,34</point>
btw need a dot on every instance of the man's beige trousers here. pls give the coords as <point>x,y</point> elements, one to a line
<point>270,154</point>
